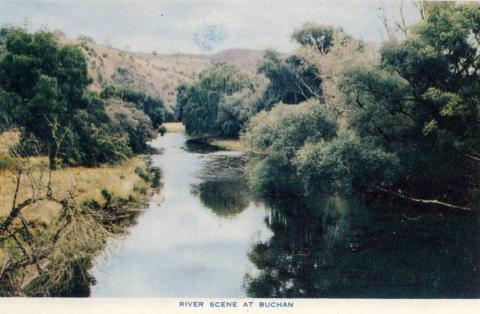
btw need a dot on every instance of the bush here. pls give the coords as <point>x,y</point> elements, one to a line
<point>162,130</point>
<point>142,174</point>
<point>273,175</point>
<point>275,136</point>
<point>200,105</point>
<point>344,164</point>
<point>154,108</point>
<point>102,146</point>
<point>5,162</point>
<point>127,119</point>
<point>157,175</point>
<point>287,128</point>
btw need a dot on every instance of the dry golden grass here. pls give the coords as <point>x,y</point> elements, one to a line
<point>229,144</point>
<point>86,234</point>
<point>8,138</point>
<point>157,75</point>
<point>86,184</point>
<point>174,127</point>
<point>3,256</point>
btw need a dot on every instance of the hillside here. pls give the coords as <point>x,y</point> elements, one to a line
<point>156,74</point>
<point>245,59</point>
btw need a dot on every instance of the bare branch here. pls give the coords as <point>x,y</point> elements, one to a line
<point>431,202</point>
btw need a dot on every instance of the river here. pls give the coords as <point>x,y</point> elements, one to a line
<point>208,237</point>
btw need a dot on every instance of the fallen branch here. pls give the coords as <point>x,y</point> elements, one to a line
<point>4,267</point>
<point>16,210</point>
<point>472,157</point>
<point>431,202</point>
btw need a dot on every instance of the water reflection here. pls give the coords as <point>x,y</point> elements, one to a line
<point>199,146</point>
<point>207,233</point>
<point>181,247</point>
<point>225,198</point>
<point>325,246</point>
<point>223,187</point>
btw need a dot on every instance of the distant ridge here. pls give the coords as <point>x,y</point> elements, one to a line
<point>246,59</point>
<point>156,74</point>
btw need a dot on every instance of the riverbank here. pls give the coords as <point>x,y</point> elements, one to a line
<point>228,144</point>
<point>86,183</point>
<point>52,228</point>
<point>174,127</point>
<point>222,143</point>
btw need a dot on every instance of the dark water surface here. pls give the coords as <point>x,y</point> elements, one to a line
<point>210,238</point>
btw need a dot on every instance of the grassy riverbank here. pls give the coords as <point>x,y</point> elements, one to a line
<point>229,144</point>
<point>47,245</point>
<point>174,127</point>
<point>87,183</point>
<point>223,143</point>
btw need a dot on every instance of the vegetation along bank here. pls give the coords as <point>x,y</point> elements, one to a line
<point>73,169</point>
<point>341,115</point>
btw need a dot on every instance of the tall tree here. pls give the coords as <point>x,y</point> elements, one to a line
<point>291,80</point>
<point>422,100</point>
<point>199,104</point>
<point>318,36</point>
<point>49,80</point>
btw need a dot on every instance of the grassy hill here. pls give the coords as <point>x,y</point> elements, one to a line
<point>156,74</point>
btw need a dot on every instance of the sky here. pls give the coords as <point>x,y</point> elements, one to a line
<point>199,26</point>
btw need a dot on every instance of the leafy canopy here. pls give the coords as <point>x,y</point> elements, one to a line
<point>202,106</point>
<point>422,100</point>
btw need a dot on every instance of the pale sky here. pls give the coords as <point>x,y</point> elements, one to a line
<point>198,26</point>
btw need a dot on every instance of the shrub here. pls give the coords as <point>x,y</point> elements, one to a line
<point>200,107</point>
<point>275,136</point>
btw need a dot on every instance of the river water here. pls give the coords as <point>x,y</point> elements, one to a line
<point>208,237</point>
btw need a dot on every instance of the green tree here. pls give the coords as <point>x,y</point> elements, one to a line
<point>275,136</point>
<point>320,37</point>
<point>49,80</point>
<point>291,81</point>
<point>182,100</point>
<point>126,118</point>
<point>422,101</point>
<point>199,104</point>
<point>9,103</point>
<point>345,164</point>
<point>153,107</point>
<point>234,111</point>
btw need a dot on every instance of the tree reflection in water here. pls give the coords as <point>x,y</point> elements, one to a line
<point>226,198</point>
<point>223,187</point>
<point>331,247</point>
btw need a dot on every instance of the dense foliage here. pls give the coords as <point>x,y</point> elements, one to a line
<point>291,81</point>
<point>43,90</point>
<point>409,120</point>
<point>154,108</point>
<point>421,102</point>
<point>208,107</point>
<point>317,36</point>
<point>126,118</point>
<point>276,135</point>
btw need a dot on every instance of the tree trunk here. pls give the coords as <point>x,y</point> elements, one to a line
<point>52,157</point>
